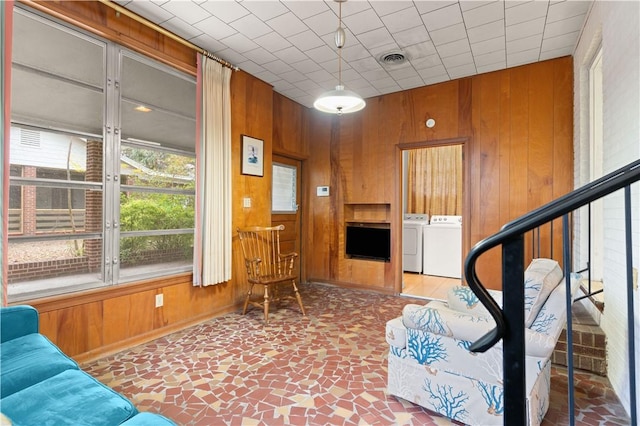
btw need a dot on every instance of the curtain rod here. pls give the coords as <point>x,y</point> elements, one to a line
<point>158,28</point>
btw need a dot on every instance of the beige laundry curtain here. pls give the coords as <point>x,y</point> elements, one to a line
<point>212,239</point>
<point>435,180</point>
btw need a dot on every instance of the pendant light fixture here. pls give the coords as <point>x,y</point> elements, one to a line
<point>339,101</point>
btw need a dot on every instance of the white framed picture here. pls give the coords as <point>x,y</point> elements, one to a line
<point>252,156</point>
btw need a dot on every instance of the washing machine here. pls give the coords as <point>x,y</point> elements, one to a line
<point>443,246</point>
<point>412,241</point>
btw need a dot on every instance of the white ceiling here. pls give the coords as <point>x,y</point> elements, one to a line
<point>290,44</point>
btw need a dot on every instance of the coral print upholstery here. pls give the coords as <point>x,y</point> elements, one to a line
<point>430,363</point>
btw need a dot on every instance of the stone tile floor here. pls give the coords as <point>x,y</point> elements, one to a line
<point>328,368</point>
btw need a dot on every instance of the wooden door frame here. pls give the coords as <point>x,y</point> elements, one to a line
<point>396,222</point>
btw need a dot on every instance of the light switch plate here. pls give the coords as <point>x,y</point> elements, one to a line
<point>246,202</point>
<point>322,191</point>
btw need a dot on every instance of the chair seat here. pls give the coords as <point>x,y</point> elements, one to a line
<point>272,279</point>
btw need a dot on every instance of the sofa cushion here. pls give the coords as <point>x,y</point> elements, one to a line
<point>463,299</point>
<point>69,398</point>
<point>540,279</point>
<point>396,333</point>
<point>28,360</point>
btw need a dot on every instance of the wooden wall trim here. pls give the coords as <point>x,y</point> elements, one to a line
<point>63,301</point>
<point>432,143</point>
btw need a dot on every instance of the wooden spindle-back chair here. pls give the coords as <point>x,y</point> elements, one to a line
<point>267,266</point>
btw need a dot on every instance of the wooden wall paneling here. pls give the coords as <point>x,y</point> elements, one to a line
<point>48,324</point>
<point>289,121</point>
<point>127,316</point>
<point>79,328</point>
<point>519,153</point>
<point>540,168</point>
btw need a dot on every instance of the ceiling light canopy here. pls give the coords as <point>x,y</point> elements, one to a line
<point>339,101</point>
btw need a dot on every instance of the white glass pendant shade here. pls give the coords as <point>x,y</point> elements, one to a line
<point>339,101</point>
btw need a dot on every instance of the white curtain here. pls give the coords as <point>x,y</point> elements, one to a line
<point>212,240</point>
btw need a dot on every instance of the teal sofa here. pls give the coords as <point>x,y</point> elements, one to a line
<point>40,385</point>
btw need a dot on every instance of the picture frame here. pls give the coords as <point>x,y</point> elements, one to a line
<point>252,156</point>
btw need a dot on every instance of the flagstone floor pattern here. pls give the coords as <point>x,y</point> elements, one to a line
<point>328,368</point>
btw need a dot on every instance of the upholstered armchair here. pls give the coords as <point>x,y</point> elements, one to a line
<point>430,363</point>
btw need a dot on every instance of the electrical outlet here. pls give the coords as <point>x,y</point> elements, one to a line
<point>246,202</point>
<point>159,300</point>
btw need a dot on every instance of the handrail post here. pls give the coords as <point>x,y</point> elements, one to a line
<point>513,341</point>
<point>631,316</point>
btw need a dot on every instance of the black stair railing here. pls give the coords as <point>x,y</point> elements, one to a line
<point>510,319</point>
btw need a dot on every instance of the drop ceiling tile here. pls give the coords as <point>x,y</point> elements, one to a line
<point>267,76</point>
<point>323,24</point>
<point>306,66</point>
<point>426,62</point>
<point>376,38</point>
<point>293,76</point>
<point>189,12</point>
<point>231,55</point>
<point>239,43</point>
<point>364,65</point>
<point>350,39</point>
<point>557,53</point>
<point>348,8</point>
<point>265,10</point>
<point>420,50</point>
<point>306,40</point>
<point>181,28</point>
<point>384,8</point>
<point>428,73</point>
<point>306,9</point>
<point>436,79</point>
<point>453,49</point>
<point>430,6</point>
<point>410,82</point>
<point>458,60</point>
<point>272,41</point>
<point>259,56</point>
<point>411,36</point>
<point>491,58</point>
<point>525,29</point>
<point>488,46</point>
<point>208,43</point>
<point>523,44</point>
<point>522,57</point>
<point>354,53</point>
<point>569,25</point>
<point>290,55</point>
<point>486,31</point>
<point>287,25</point>
<point>560,42</point>
<point>402,20</point>
<point>250,26</point>
<point>322,54</point>
<point>250,67</point>
<point>308,85</point>
<point>374,75</point>
<point>363,22</point>
<point>449,34</point>
<point>150,10</point>
<point>442,18</point>
<point>278,67</point>
<point>567,9</point>
<point>403,73</point>
<point>227,11</point>
<point>215,28</point>
<point>462,71</point>
<point>383,83</point>
<point>282,85</point>
<point>492,67</point>
<point>321,75</point>
<point>525,12</point>
<point>466,5</point>
<point>488,13</point>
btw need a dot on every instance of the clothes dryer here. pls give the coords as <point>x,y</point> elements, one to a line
<point>412,241</point>
<point>443,246</point>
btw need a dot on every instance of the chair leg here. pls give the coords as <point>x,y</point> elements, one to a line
<point>246,301</point>
<point>266,304</point>
<point>295,289</point>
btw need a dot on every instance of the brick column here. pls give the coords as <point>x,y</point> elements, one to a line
<point>29,203</point>
<point>93,205</point>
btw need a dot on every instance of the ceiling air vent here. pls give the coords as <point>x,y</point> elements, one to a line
<point>396,57</point>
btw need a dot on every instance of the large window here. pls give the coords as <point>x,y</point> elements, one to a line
<point>102,163</point>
